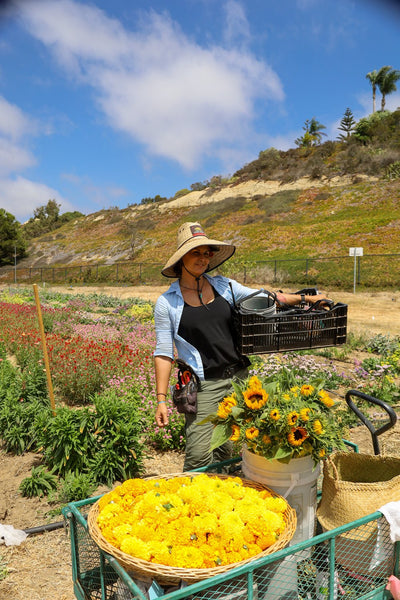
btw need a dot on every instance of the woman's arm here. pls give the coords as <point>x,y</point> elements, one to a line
<point>292,299</point>
<point>162,365</point>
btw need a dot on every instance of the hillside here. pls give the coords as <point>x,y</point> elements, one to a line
<point>265,219</point>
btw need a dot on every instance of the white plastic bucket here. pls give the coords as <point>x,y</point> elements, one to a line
<point>260,305</point>
<point>296,481</point>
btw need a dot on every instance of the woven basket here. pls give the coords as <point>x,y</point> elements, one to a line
<point>142,570</point>
<point>354,486</point>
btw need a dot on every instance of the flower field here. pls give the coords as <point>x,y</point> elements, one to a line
<point>100,352</point>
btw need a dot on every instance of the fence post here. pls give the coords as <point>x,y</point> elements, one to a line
<point>116,273</point>
<point>306,269</point>
<point>359,268</point>
<point>244,274</point>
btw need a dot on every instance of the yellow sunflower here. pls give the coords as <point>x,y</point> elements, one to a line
<point>325,398</point>
<point>292,417</point>
<point>307,390</point>
<point>235,433</point>
<point>252,432</point>
<point>297,436</point>
<point>255,398</point>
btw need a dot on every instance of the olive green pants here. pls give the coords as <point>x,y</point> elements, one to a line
<point>198,437</point>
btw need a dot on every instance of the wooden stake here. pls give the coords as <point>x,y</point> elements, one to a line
<point>44,346</point>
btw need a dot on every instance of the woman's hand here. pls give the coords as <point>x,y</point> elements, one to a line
<point>162,415</point>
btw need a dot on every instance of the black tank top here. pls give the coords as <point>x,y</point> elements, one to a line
<point>211,333</point>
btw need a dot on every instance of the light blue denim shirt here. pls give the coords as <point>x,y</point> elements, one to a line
<point>168,313</point>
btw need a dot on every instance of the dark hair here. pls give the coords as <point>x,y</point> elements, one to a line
<point>178,268</point>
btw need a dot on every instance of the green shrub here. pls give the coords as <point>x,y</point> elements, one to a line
<point>76,487</point>
<point>40,483</point>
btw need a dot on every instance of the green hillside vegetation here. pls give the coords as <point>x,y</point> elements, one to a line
<point>326,198</point>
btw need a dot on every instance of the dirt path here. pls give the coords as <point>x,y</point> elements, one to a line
<point>40,569</point>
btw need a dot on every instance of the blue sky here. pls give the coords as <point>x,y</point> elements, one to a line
<point>106,102</point>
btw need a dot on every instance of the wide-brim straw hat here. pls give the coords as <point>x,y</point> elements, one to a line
<point>190,236</point>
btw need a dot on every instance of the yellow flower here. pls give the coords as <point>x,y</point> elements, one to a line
<point>275,414</point>
<point>305,414</point>
<point>322,453</point>
<point>252,432</point>
<point>292,417</point>
<point>286,397</point>
<point>231,400</point>
<point>255,383</point>
<point>235,433</point>
<point>317,427</point>
<point>295,390</point>
<point>307,390</point>
<point>255,398</point>
<point>297,436</point>
<point>325,398</point>
<point>266,439</point>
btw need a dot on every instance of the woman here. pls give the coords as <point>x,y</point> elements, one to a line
<point>195,314</point>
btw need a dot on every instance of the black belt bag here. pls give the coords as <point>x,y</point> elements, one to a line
<point>184,392</point>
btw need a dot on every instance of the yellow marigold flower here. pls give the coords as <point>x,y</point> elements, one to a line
<point>252,432</point>
<point>317,427</point>
<point>255,398</point>
<point>307,390</point>
<point>292,417</point>
<point>305,414</point>
<point>266,540</point>
<point>297,436</point>
<point>266,439</point>
<point>277,504</point>
<point>186,557</point>
<point>135,547</point>
<point>275,414</point>
<point>235,433</point>
<point>326,399</point>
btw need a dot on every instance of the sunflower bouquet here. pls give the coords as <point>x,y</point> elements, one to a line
<point>277,420</point>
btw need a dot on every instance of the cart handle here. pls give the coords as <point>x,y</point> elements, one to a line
<point>374,432</point>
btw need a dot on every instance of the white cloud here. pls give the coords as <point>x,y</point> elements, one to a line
<point>14,126</point>
<point>14,123</point>
<point>237,27</point>
<point>177,98</point>
<point>21,196</point>
<point>13,157</point>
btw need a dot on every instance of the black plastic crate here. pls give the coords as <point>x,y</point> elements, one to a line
<point>295,328</point>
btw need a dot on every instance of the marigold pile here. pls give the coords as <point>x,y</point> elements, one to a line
<point>195,522</point>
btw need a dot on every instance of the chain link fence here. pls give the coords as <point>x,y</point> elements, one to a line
<point>372,271</point>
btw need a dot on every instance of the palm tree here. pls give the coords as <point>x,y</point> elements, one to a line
<point>387,83</point>
<point>313,134</point>
<point>372,76</point>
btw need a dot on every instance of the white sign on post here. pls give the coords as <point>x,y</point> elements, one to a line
<point>355,252</point>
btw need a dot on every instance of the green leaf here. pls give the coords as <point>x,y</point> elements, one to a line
<point>221,434</point>
<point>283,453</point>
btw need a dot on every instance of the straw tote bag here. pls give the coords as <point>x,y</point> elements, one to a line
<point>356,485</point>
